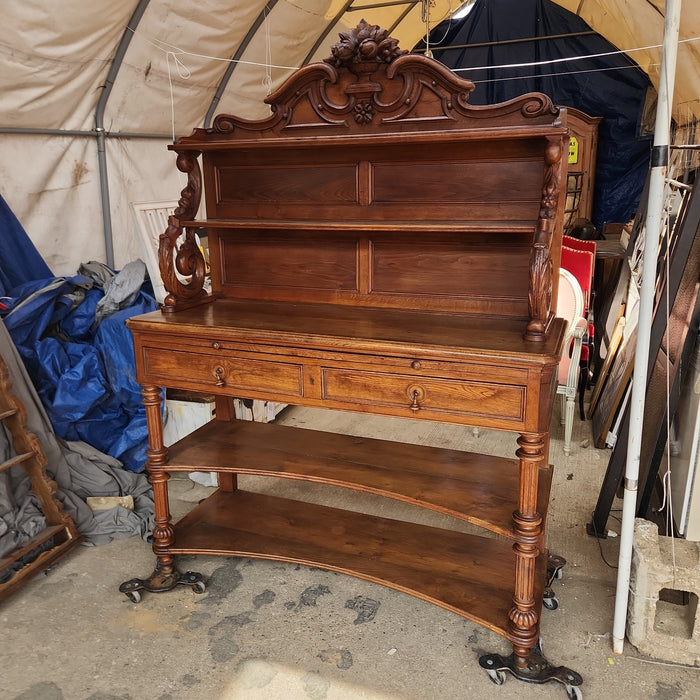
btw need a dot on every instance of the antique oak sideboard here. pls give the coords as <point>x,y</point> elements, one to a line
<point>376,245</point>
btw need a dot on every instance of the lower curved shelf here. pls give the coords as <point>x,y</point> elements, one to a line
<point>464,573</point>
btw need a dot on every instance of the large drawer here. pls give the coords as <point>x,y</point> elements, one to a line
<point>425,395</point>
<point>222,373</point>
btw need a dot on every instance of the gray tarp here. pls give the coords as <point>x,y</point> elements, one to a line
<point>79,470</point>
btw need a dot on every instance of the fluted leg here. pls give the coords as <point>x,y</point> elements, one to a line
<point>568,424</point>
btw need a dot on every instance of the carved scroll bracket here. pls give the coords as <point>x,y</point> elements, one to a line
<point>182,266</point>
<point>540,292</point>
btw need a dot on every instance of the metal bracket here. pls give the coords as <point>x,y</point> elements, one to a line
<point>538,670</point>
<point>159,583</point>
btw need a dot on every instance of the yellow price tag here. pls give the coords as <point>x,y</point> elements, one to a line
<point>573,149</point>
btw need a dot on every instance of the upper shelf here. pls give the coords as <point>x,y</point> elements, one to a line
<point>525,227</point>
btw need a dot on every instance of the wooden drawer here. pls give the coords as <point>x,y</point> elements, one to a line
<point>425,395</point>
<point>222,373</point>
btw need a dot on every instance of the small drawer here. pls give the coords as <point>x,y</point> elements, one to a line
<point>425,395</point>
<point>223,373</point>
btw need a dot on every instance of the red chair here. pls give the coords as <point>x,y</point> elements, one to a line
<point>580,262</point>
<point>578,257</point>
<point>578,244</point>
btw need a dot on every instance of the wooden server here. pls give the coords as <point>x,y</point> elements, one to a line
<point>377,245</point>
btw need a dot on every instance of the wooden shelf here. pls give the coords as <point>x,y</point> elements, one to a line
<point>467,574</point>
<point>379,331</point>
<point>375,226</point>
<point>476,488</point>
<point>209,140</point>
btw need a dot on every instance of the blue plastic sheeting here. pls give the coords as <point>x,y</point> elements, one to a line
<point>19,259</point>
<point>612,86</point>
<point>83,372</point>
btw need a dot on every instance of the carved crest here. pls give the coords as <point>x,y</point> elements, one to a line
<point>369,83</point>
<point>366,43</point>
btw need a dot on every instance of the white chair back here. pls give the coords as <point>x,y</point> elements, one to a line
<point>570,300</point>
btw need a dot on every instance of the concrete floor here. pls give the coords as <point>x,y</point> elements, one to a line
<point>275,631</point>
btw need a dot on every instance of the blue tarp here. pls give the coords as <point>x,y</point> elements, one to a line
<point>82,369</point>
<point>609,86</point>
<point>19,259</point>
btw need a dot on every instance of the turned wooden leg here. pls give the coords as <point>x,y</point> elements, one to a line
<point>527,663</point>
<point>165,576</point>
<point>157,455</point>
<point>524,615</point>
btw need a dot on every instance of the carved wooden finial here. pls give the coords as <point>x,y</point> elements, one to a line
<point>366,43</point>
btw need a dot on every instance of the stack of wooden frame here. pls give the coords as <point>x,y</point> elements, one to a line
<point>60,534</point>
<point>674,328</point>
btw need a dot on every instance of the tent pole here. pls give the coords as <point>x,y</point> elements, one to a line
<point>100,126</point>
<point>233,63</point>
<point>654,219</point>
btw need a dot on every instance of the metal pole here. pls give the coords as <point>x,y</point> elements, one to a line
<point>233,63</point>
<point>654,218</point>
<point>104,196</point>
<point>100,126</point>
<point>27,131</point>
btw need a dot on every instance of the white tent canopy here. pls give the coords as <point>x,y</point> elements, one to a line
<point>77,77</point>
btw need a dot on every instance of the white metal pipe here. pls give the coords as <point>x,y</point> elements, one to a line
<point>654,220</point>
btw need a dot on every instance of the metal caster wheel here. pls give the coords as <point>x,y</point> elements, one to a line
<point>497,677</point>
<point>555,568</point>
<point>199,587</point>
<point>550,603</point>
<point>573,692</point>
<point>133,596</point>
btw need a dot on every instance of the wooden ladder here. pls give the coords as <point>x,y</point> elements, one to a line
<point>60,534</point>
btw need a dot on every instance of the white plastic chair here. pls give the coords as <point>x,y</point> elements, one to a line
<point>570,307</point>
<point>151,219</point>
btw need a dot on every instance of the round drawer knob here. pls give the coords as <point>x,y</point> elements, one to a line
<point>416,364</point>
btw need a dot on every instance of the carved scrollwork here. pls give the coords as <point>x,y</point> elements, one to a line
<point>538,105</point>
<point>551,186</point>
<point>540,292</point>
<point>182,267</point>
<point>224,124</point>
<point>365,43</point>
